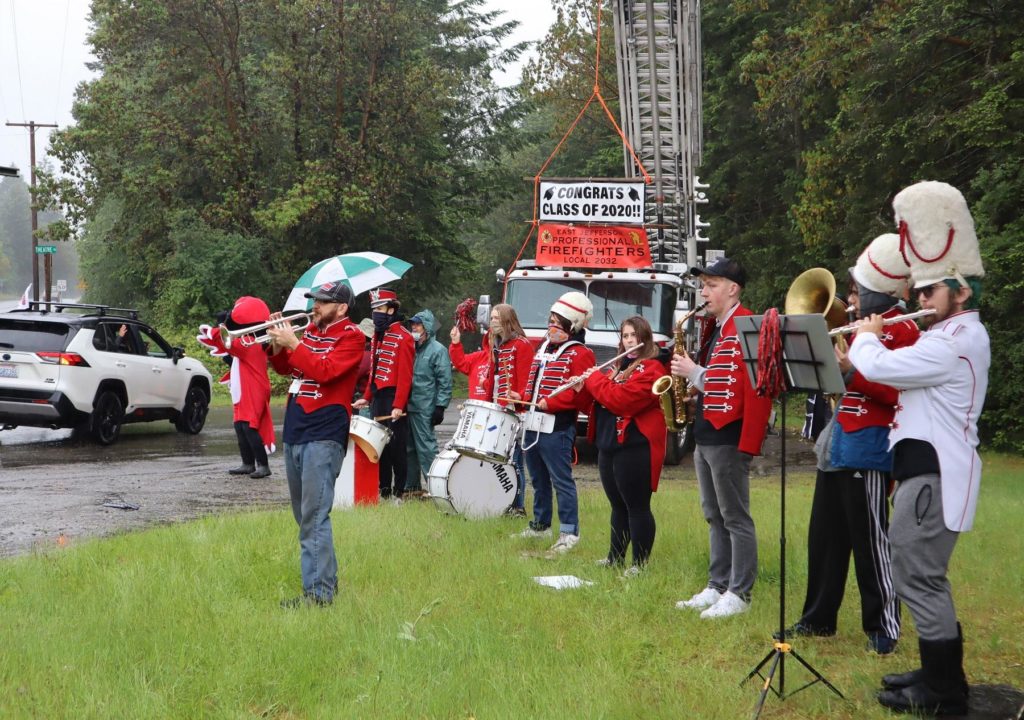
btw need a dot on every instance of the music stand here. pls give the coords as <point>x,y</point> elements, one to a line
<point>809,365</point>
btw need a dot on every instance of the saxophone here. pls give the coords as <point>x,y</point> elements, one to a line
<point>672,390</point>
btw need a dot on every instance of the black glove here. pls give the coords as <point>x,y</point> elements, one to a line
<point>437,417</point>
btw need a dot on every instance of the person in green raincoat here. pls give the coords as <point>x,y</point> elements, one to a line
<point>430,395</point>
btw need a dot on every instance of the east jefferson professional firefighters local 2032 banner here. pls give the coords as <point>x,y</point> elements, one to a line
<point>592,224</point>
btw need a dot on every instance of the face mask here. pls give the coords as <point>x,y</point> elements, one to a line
<point>416,336</point>
<point>495,328</point>
<point>556,334</point>
<point>381,321</point>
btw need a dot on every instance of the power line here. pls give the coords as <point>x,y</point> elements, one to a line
<point>60,68</point>
<point>17,59</point>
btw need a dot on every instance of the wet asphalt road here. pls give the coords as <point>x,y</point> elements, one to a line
<point>55,488</point>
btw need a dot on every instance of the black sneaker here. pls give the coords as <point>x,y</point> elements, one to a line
<point>800,629</point>
<point>242,470</point>
<point>305,600</point>
<point>261,471</point>
<point>881,644</point>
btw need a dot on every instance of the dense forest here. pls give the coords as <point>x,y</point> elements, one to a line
<point>228,145</point>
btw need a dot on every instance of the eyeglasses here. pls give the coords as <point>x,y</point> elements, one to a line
<point>926,292</point>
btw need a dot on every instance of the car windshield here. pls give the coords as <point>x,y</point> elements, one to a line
<point>616,301</point>
<point>32,335</point>
<point>533,299</point>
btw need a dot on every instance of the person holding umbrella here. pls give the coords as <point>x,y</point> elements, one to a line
<point>323,367</point>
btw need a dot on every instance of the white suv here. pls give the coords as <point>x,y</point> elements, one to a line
<point>95,372</point>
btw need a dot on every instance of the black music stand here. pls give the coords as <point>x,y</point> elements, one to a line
<point>810,366</point>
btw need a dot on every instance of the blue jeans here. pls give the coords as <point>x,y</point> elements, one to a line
<point>517,461</point>
<point>550,465</point>
<point>312,469</point>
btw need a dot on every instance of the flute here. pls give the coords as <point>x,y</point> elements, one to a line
<point>852,327</point>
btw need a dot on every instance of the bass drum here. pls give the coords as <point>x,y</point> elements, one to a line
<point>462,485</point>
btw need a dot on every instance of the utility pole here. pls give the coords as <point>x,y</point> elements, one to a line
<point>32,125</point>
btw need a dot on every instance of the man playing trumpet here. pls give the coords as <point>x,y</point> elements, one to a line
<point>323,366</point>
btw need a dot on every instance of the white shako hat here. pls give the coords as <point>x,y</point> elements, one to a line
<point>937,237</point>
<point>881,268</point>
<point>574,307</point>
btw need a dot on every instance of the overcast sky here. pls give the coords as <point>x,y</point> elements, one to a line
<point>43,54</point>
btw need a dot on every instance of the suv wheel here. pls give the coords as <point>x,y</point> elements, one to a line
<point>107,417</point>
<point>193,414</point>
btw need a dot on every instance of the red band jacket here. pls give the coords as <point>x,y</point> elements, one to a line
<point>871,404</point>
<point>572,361</point>
<point>728,394</point>
<point>487,382</point>
<point>631,401</point>
<point>393,356</point>
<point>324,364</point>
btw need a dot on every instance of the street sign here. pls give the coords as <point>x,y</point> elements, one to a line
<point>46,249</point>
<point>62,286</point>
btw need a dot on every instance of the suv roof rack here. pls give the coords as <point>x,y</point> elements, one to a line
<point>44,306</point>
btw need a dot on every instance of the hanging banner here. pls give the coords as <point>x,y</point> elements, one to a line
<point>566,201</point>
<point>600,246</point>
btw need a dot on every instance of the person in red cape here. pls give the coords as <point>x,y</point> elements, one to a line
<point>249,383</point>
<point>628,429</point>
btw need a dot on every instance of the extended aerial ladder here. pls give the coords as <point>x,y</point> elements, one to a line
<point>658,51</point>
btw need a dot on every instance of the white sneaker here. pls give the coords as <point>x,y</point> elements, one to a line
<point>730,604</point>
<point>631,572</point>
<point>603,562</point>
<point>704,599</point>
<point>529,532</point>
<point>565,543</point>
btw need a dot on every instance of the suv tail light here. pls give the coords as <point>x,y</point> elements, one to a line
<point>62,358</point>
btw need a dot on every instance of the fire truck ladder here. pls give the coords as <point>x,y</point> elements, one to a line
<point>658,52</point>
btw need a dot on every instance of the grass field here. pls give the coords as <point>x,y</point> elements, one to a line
<point>438,617</point>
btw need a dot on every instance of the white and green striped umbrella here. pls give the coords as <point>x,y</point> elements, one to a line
<point>361,271</point>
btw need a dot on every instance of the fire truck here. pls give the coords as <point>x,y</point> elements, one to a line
<point>658,294</point>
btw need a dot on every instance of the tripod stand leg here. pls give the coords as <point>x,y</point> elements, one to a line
<point>767,680</point>
<point>757,670</point>
<point>815,673</point>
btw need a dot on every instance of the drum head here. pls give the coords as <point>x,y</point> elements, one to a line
<point>479,489</point>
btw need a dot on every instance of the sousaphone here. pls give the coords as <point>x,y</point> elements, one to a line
<point>814,293</point>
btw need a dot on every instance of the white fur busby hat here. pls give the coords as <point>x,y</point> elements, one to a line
<point>937,237</point>
<point>574,307</point>
<point>881,268</point>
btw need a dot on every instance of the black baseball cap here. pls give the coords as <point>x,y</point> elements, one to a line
<point>723,267</point>
<point>335,292</point>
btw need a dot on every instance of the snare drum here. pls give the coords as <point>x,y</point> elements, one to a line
<point>370,436</point>
<point>486,431</point>
<point>461,485</point>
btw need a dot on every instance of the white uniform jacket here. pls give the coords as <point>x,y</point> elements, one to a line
<point>942,379</point>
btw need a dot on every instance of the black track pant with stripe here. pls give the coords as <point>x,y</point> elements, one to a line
<point>850,513</point>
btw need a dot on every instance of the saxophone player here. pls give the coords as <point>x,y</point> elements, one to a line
<point>729,427</point>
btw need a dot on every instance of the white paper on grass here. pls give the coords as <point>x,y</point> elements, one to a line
<point>561,582</point>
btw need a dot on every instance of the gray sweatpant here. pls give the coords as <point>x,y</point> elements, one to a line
<point>723,475</point>
<point>921,548</point>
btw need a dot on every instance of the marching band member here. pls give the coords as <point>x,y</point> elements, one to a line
<point>561,356</point>
<point>729,428</point>
<point>323,365</point>
<point>850,511</point>
<point>502,366</point>
<point>628,428</point>
<point>942,380</point>
<point>387,392</point>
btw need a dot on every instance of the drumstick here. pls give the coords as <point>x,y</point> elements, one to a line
<point>387,417</point>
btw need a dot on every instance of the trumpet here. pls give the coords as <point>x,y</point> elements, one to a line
<point>248,336</point>
<point>852,327</point>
